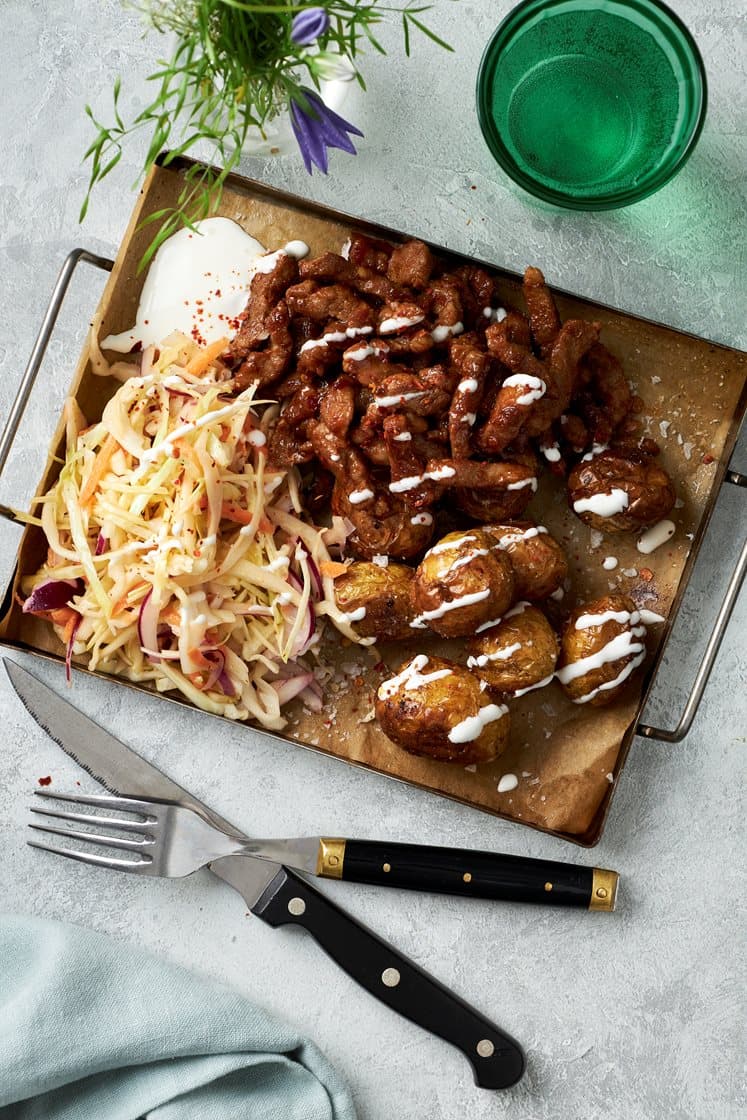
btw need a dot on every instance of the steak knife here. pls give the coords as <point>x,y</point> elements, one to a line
<point>280,897</point>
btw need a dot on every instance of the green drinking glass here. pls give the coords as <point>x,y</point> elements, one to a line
<point>591,104</point>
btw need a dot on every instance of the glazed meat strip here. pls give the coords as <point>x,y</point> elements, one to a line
<point>543,314</point>
<point>265,292</point>
<point>406,379</point>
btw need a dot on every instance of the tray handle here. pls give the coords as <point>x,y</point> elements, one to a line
<point>678,733</point>
<point>59,292</point>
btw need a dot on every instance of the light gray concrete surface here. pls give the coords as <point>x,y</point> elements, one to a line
<point>636,1016</point>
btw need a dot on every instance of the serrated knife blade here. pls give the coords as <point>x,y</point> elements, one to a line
<point>123,771</point>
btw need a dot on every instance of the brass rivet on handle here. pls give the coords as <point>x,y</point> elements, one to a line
<point>297,906</point>
<point>548,886</point>
<point>333,861</point>
<point>387,867</point>
<point>390,977</point>
<point>485,1048</point>
<point>467,877</point>
<point>601,892</point>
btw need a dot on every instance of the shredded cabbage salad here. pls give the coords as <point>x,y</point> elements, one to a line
<point>176,556</point>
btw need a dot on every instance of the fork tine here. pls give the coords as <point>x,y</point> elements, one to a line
<point>95,838</point>
<point>136,866</point>
<point>91,818</point>
<point>104,800</point>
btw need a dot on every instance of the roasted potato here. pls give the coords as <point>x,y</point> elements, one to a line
<point>517,654</point>
<point>602,643</point>
<point>384,594</point>
<point>614,493</point>
<point>494,505</point>
<point>461,583</point>
<point>438,709</point>
<point>537,560</point>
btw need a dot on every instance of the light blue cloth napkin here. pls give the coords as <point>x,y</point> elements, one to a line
<point>92,1029</point>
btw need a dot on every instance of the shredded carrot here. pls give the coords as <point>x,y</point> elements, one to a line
<point>332,568</point>
<point>120,604</point>
<point>66,617</point>
<point>100,467</point>
<point>201,361</point>
<point>231,512</point>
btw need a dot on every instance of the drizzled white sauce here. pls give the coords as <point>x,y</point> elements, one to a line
<point>584,621</point>
<point>519,608</point>
<point>507,783</point>
<point>619,679</point>
<point>483,659</point>
<point>487,625</point>
<point>650,617</point>
<point>356,615</point>
<point>452,605</point>
<point>358,496</point>
<point>257,438</point>
<point>462,560</point>
<point>398,398</point>
<point>596,449</point>
<point>401,485</point>
<point>381,560</point>
<point>334,336</point>
<point>469,385</point>
<point>658,535</point>
<point>399,323</point>
<point>403,437</point>
<point>603,505</point>
<point>495,314</point>
<point>621,646</point>
<point>471,728</point>
<point>278,563</point>
<point>609,563</point>
<point>441,333</point>
<point>422,519</point>
<point>516,535</point>
<point>181,290</point>
<point>536,386</point>
<point>524,482</point>
<point>447,546</point>
<point>533,687</point>
<point>359,353</point>
<point>551,452</point>
<point>411,677</point>
<point>469,418</point>
<point>297,249</point>
<point>166,446</point>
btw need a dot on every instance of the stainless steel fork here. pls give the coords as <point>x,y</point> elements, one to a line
<point>171,839</point>
<point>164,838</point>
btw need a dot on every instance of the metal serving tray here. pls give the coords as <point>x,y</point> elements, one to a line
<point>569,759</point>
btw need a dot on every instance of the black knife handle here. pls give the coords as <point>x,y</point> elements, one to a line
<point>497,1060</point>
<point>473,874</point>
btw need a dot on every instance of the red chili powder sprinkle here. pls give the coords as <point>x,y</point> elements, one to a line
<point>45,781</point>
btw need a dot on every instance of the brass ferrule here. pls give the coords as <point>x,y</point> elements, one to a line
<point>603,889</point>
<point>331,857</point>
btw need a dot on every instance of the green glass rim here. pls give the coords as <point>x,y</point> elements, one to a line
<point>612,200</point>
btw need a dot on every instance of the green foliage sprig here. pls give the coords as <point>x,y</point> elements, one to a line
<point>234,65</point>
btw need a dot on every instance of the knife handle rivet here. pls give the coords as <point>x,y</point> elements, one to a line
<point>297,907</point>
<point>548,886</point>
<point>390,977</point>
<point>333,861</point>
<point>467,877</point>
<point>387,867</point>
<point>485,1048</point>
<point>601,892</point>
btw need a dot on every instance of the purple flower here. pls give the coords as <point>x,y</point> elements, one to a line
<point>308,25</point>
<point>317,128</point>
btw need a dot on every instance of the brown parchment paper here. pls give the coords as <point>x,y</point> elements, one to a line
<point>566,758</point>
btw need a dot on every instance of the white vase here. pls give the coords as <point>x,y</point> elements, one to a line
<point>277,138</point>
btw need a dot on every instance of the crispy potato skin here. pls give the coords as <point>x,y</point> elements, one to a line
<point>387,595</point>
<point>463,564</point>
<point>578,644</point>
<point>539,563</point>
<point>649,488</point>
<point>531,663</point>
<point>419,719</point>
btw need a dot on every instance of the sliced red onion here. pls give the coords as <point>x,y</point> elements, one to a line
<point>313,697</point>
<point>291,687</point>
<point>69,650</point>
<point>101,544</point>
<point>147,627</point>
<point>52,594</point>
<point>304,636</point>
<point>226,683</point>
<point>217,659</point>
<point>315,576</point>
